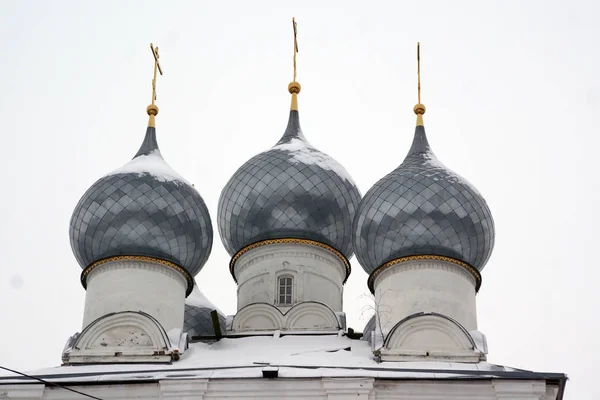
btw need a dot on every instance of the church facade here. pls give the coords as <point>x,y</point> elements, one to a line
<point>291,217</point>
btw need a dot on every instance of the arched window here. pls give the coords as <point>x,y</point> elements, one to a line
<point>285,289</point>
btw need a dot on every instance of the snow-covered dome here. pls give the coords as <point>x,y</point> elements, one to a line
<point>197,319</point>
<point>289,191</point>
<point>142,209</point>
<point>423,208</point>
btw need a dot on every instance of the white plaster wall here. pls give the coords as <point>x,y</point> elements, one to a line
<point>318,275</point>
<point>299,388</point>
<point>425,286</point>
<point>306,316</point>
<point>136,286</point>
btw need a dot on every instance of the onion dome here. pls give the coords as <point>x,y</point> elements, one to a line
<point>369,328</point>
<point>289,191</point>
<point>142,209</point>
<point>197,320</point>
<point>423,208</point>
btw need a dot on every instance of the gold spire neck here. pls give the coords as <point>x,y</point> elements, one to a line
<point>294,87</point>
<point>152,109</point>
<point>419,109</point>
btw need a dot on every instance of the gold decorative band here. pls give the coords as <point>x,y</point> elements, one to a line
<point>309,242</point>
<point>152,260</point>
<point>476,274</point>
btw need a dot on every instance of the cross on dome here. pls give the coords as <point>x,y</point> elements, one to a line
<point>152,109</point>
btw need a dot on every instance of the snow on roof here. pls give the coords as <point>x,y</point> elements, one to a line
<point>295,356</point>
<point>432,161</point>
<point>152,164</point>
<point>197,299</point>
<point>302,152</point>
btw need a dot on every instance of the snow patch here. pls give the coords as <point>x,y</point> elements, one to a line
<point>197,299</point>
<point>432,161</point>
<point>300,356</point>
<point>152,164</point>
<point>174,336</point>
<point>303,152</point>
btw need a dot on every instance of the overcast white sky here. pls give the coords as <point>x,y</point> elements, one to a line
<point>512,93</point>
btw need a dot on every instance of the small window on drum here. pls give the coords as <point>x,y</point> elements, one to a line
<point>285,289</point>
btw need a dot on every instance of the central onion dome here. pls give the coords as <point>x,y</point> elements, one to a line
<point>423,208</point>
<point>142,209</point>
<point>289,191</point>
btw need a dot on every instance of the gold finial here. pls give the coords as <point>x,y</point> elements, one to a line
<point>152,109</point>
<point>294,87</point>
<point>419,108</point>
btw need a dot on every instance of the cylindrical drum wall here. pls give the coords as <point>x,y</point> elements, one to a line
<point>316,273</point>
<point>416,286</point>
<point>132,285</point>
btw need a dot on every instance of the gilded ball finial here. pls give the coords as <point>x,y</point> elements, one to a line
<point>152,109</point>
<point>419,109</point>
<point>294,87</point>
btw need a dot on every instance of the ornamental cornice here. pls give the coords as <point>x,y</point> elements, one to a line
<point>426,262</point>
<point>139,262</point>
<point>137,265</point>
<point>306,242</point>
<point>251,260</point>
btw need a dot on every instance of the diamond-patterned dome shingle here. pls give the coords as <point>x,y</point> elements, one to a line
<point>198,321</point>
<point>145,209</point>
<point>290,191</point>
<point>369,328</point>
<point>422,207</point>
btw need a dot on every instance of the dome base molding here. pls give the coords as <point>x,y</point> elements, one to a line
<point>471,272</point>
<point>152,260</point>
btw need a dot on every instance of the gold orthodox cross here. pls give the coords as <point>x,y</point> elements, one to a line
<point>295,45</point>
<point>156,67</point>
<point>419,109</point>
<point>294,87</point>
<point>419,70</point>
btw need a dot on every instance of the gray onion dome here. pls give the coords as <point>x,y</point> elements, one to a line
<point>142,209</point>
<point>290,191</point>
<point>422,208</point>
<point>369,328</point>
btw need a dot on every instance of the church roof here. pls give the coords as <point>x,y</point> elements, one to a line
<point>295,356</point>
